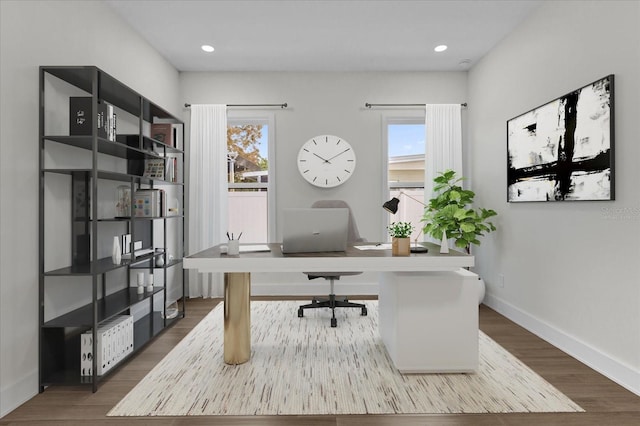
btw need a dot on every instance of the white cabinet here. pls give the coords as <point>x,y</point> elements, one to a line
<point>429,320</point>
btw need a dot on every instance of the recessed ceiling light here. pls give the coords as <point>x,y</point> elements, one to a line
<point>207,48</point>
<point>441,48</point>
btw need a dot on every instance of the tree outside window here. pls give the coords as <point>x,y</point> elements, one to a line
<point>246,162</point>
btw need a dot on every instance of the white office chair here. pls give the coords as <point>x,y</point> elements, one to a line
<point>331,302</point>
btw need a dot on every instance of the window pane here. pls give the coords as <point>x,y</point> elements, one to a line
<point>406,147</point>
<point>406,152</point>
<point>248,174</point>
<point>409,209</point>
<point>247,148</point>
<point>248,213</point>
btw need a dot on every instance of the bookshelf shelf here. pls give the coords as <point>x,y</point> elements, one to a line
<point>108,175</point>
<point>107,308</point>
<point>67,369</point>
<point>105,146</point>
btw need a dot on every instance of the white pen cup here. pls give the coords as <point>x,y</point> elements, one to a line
<point>233,247</point>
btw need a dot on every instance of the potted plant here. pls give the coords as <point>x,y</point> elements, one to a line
<point>450,215</point>
<point>400,233</point>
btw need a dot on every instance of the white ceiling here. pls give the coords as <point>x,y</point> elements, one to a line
<point>323,35</point>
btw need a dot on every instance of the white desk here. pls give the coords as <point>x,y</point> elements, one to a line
<point>426,304</point>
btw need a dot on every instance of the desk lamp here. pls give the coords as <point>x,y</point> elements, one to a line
<point>392,207</point>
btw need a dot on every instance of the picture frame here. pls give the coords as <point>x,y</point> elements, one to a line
<point>564,150</point>
<point>154,169</point>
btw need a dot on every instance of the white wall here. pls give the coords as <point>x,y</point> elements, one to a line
<point>326,103</point>
<point>570,268</point>
<point>38,33</point>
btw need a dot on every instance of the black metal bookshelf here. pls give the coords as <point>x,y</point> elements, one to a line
<point>107,288</point>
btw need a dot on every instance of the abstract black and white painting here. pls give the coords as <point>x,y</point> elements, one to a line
<point>563,150</point>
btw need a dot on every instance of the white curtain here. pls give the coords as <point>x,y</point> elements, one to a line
<point>207,212</point>
<point>443,126</point>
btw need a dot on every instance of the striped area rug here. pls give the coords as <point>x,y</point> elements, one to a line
<point>302,366</point>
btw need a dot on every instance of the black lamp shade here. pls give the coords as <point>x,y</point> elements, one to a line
<point>392,205</point>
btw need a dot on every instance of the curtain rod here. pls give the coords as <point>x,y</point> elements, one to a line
<point>284,105</point>
<point>368,105</point>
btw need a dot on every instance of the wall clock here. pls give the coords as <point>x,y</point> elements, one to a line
<point>326,161</point>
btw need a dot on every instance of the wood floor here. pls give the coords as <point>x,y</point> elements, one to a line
<point>605,402</point>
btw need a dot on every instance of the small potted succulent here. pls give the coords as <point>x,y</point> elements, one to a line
<point>400,233</point>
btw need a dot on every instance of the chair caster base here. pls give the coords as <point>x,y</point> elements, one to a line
<point>334,322</point>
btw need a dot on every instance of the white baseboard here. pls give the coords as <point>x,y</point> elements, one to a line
<point>18,393</point>
<point>622,374</point>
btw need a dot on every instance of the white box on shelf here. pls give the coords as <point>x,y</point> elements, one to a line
<point>114,343</point>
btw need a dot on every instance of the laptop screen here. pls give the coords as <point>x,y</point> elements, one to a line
<point>309,230</point>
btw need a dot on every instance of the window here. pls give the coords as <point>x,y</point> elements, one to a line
<point>248,162</point>
<point>405,138</point>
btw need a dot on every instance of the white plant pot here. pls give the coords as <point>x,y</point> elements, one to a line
<point>116,255</point>
<point>481,290</point>
<point>444,244</point>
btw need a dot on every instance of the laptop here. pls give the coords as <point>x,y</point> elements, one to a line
<point>311,230</point>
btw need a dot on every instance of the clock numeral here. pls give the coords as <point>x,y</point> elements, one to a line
<point>347,171</point>
<point>338,142</point>
<point>326,181</point>
<point>326,139</point>
<point>338,177</point>
<point>302,161</point>
<point>306,171</point>
<point>306,149</point>
<point>314,179</point>
<point>314,142</point>
<point>350,160</point>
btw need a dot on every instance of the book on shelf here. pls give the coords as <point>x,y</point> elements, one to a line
<point>177,135</point>
<point>138,253</point>
<point>162,132</point>
<point>82,119</point>
<point>109,122</point>
<point>150,203</point>
<point>172,170</point>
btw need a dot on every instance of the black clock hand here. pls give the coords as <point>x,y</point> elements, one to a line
<point>338,154</point>
<point>326,161</point>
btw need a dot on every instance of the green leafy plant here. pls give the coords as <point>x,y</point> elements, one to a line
<point>400,229</point>
<point>450,212</point>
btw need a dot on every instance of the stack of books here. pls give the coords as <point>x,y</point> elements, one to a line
<point>115,342</point>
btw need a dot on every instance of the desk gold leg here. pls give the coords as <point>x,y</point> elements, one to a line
<point>237,317</point>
